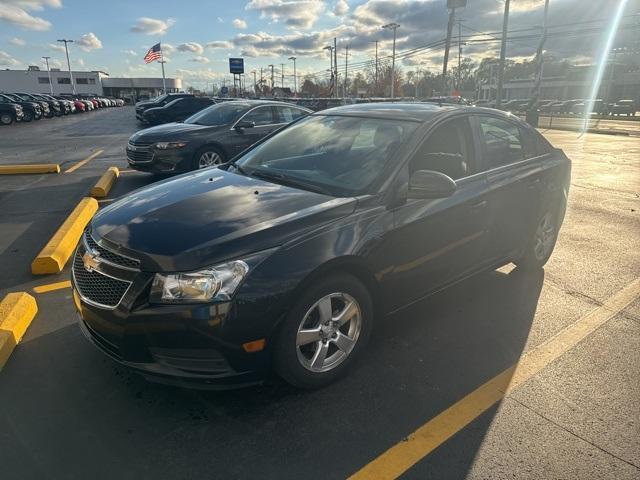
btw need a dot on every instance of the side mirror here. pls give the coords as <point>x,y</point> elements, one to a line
<point>242,124</point>
<point>430,184</point>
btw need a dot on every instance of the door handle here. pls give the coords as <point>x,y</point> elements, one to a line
<point>478,205</point>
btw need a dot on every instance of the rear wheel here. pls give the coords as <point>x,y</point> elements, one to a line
<point>6,118</point>
<point>207,157</point>
<point>542,243</point>
<point>324,332</point>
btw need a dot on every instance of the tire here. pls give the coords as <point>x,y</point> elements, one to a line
<point>27,117</point>
<point>207,157</point>
<point>6,118</point>
<point>303,364</point>
<point>542,243</point>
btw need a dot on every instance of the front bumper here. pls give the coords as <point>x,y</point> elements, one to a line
<point>189,345</point>
<point>148,159</point>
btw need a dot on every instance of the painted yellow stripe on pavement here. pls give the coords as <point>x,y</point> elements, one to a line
<point>83,162</point>
<point>402,456</point>
<point>50,287</point>
<point>32,168</point>
<point>17,310</point>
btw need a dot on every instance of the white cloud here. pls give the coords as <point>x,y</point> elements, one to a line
<point>341,8</point>
<point>58,47</point>
<point>219,44</point>
<point>18,42</point>
<point>17,13</point>
<point>152,26</point>
<point>199,59</point>
<point>296,14</point>
<point>166,48</point>
<point>133,53</point>
<point>7,60</point>
<point>239,23</point>
<point>192,47</point>
<point>220,20</point>
<point>88,42</point>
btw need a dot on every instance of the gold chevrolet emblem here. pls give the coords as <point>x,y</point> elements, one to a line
<point>91,261</point>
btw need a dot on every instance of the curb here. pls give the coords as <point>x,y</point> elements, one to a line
<point>17,310</point>
<point>34,168</point>
<point>57,251</point>
<point>101,189</point>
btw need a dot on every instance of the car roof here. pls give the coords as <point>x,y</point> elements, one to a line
<point>417,112</point>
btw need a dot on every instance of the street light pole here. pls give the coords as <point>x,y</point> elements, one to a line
<point>46,59</point>
<point>503,53</point>
<point>394,27</point>
<point>282,75</point>
<point>295,77</point>
<point>271,67</point>
<point>330,48</point>
<point>66,49</point>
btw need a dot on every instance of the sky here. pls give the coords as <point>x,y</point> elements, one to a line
<point>198,36</point>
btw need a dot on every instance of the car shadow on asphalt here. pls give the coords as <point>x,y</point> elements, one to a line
<point>71,399</point>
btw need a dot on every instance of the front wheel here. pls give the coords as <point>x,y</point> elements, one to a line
<point>6,119</point>
<point>324,332</point>
<point>207,157</point>
<point>541,245</point>
<point>28,116</point>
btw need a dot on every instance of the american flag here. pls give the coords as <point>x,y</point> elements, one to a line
<point>154,53</point>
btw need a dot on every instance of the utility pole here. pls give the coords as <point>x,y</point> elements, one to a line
<point>346,63</point>
<point>445,63</point>
<point>335,63</point>
<point>376,64</point>
<point>295,77</point>
<point>535,94</point>
<point>282,73</point>
<point>261,80</point>
<point>330,48</point>
<point>255,84</point>
<point>503,53</point>
<point>394,27</point>
<point>46,59</point>
<point>272,84</point>
<point>459,54</point>
<point>66,49</point>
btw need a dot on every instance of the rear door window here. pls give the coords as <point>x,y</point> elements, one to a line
<point>289,114</point>
<point>501,141</point>
<point>260,116</point>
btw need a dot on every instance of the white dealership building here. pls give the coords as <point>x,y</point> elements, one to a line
<point>98,83</point>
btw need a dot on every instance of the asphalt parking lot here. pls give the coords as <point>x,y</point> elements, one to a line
<point>435,396</point>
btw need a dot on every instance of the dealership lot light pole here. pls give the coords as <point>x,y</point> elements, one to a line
<point>330,48</point>
<point>46,59</point>
<point>394,27</point>
<point>66,49</point>
<point>295,77</point>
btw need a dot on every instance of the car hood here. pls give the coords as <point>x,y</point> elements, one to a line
<point>167,132</point>
<point>202,218</point>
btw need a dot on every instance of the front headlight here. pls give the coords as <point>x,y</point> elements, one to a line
<point>168,145</point>
<point>215,283</point>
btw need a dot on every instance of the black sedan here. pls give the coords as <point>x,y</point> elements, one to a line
<point>283,257</point>
<point>31,110</point>
<point>210,137</point>
<point>176,111</point>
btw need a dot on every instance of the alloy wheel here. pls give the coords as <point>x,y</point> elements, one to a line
<point>6,119</point>
<point>328,332</point>
<point>209,159</point>
<point>544,237</point>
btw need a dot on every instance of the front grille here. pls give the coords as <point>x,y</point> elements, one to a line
<point>110,256</point>
<point>95,287</point>
<point>142,152</point>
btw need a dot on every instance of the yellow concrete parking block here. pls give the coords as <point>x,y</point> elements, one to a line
<point>101,189</point>
<point>33,168</point>
<point>17,310</point>
<point>57,251</point>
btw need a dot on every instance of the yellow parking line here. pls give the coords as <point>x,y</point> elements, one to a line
<point>402,456</point>
<point>82,162</point>
<point>50,287</point>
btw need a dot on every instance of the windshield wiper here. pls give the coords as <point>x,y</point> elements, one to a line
<point>289,181</point>
<point>239,168</point>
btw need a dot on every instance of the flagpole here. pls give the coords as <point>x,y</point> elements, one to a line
<point>164,84</point>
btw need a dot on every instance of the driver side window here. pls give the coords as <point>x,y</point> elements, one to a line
<point>447,150</point>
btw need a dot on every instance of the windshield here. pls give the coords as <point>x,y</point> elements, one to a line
<point>341,156</point>
<point>218,114</point>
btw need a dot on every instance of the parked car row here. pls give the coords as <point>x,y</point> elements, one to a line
<point>566,107</point>
<point>27,107</point>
